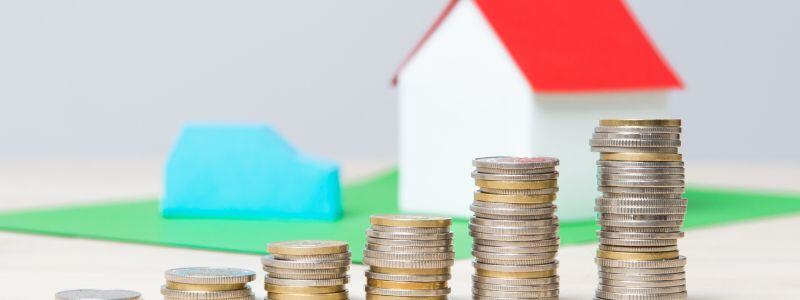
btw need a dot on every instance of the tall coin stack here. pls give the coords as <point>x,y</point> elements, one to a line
<point>641,210</point>
<point>208,283</point>
<point>515,228</point>
<point>306,270</point>
<point>409,257</point>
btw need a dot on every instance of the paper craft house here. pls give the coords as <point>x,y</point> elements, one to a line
<point>520,77</point>
<point>247,171</point>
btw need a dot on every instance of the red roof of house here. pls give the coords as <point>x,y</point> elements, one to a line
<point>573,45</point>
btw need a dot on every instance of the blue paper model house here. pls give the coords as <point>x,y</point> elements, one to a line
<point>247,171</point>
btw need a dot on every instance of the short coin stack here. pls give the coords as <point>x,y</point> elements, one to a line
<point>85,294</point>
<point>641,176</point>
<point>515,229</point>
<point>208,283</point>
<point>307,270</point>
<point>409,257</point>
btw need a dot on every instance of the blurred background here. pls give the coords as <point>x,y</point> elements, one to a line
<point>104,86</point>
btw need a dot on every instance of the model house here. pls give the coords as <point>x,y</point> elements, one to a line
<point>521,77</point>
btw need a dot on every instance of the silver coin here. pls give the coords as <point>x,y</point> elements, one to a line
<point>522,177</point>
<point>641,271</point>
<point>640,196</point>
<point>635,136</point>
<point>514,256</point>
<point>249,297</point>
<point>93,294</point>
<point>641,264</point>
<point>319,257</point>
<point>601,295</point>
<point>478,297</point>
<point>295,282</point>
<point>545,191</point>
<point>409,243</point>
<point>332,271</point>
<point>515,217</point>
<point>513,211</point>
<point>639,177</point>
<point>641,190</point>
<point>209,275</point>
<point>409,255</point>
<point>637,210</point>
<point>510,206</point>
<point>515,171</point>
<point>409,249</point>
<point>640,229</point>
<point>639,223</point>
<point>407,278</point>
<point>527,262</point>
<point>309,276</point>
<point>407,293</point>
<point>514,230</point>
<point>637,249</point>
<point>634,149</point>
<point>509,162</point>
<point>520,244</point>
<point>515,268</point>
<point>639,243</point>
<point>407,264</point>
<point>634,217</point>
<point>411,230</point>
<point>642,183</point>
<point>639,164</point>
<point>601,201</point>
<point>641,290</point>
<point>640,235</point>
<point>209,295</point>
<point>515,281</point>
<point>517,250</point>
<point>642,277</point>
<point>515,288</point>
<point>270,261</point>
<point>642,284</point>
<point>640,170</point>
<point>505,294</point>
<point>513,237</point>
<point>409,236</point>
<point>634,143</point>
<point>637,129</point>
<point>514,223</point>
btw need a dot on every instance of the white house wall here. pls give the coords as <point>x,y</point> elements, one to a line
<point>460,97</point>
<point>563,125</point>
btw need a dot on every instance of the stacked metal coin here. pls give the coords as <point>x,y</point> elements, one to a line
<point>307,270</point>
<point>409,257</point>
<point>208,283</point>
<point>86,294</point>
<point>641,210</point>
<point>515,228</point>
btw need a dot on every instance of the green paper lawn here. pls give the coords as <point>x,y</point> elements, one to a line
<point>140,221</point>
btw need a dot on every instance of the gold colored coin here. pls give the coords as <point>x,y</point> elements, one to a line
<point>399,271</point>
<point>517,185</point>
<point>527,199</point>
<point>642,122</point>
<point>383,297</point>
<point>329,296</point>
<point>623,156</point>
<point>204,287</point>
<point>307,247</point>
<point>406,285</point>
<point>637,255</point>
<point>410,220</point>
<point>496,274</point>
<point>285,289</point>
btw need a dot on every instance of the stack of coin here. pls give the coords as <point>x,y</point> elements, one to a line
<point>92,294</point>
<point>409,257</point>
<point>306,270</point>
<point>641,210</point>
<point>208,283</point>
<point>515,228</point>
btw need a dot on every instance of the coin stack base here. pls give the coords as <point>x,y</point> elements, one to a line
<point>641,210</point>
<point>409,257</point>
<point>515,229</point>
<point>307,269</point>
<point>208,283</point>
<point>84,294</point>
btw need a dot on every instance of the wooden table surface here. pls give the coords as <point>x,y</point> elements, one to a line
<point>752,260</point>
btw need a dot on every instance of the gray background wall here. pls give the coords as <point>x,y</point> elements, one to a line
<point>99,78</point>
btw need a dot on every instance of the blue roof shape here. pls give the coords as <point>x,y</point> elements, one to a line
<point>248,172</point>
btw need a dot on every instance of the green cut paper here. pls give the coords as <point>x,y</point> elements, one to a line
<point>140,221</point>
